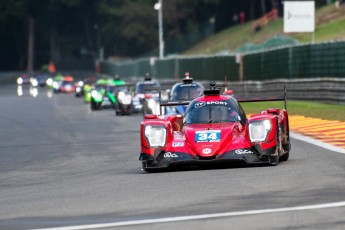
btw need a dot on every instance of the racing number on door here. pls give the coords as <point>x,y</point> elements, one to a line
<point>207,136</point>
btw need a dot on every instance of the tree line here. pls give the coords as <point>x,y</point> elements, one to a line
<point>34,32</point>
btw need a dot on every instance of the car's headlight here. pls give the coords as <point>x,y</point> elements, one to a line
<point>124,98</point>
<point>156,135</point>
<point>49,81</point>
<point>94,93</point>
<point>34,82</point>
<point>121,95</point>
<point>151,103</point>
<point>19,81</point>
<point>258,130</point>
<point>55,85</point>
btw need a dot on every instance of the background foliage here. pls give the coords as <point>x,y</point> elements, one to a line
<point>70,30</point>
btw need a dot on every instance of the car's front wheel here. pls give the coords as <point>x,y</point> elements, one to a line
<point>94,105</point>
<point>285,157</point>
<point>146,167</point>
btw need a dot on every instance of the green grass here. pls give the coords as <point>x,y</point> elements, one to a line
<point>329,26</point>
<point>303,108</point>
<point>325,32</point>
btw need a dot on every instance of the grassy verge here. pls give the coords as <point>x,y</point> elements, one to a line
<point>304,108</point>
<point>329,26</point>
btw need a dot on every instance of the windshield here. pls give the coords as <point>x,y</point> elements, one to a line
<point>110,88</point>
<point>67,83</point>
<point>99,87</point>
<point>121,88</point>
<point>145,85</point>
<point>187,92</point>
<point>214,112</point>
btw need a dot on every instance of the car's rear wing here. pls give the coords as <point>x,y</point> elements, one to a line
<point>260,99</point>
<point>174,103</point>
<point>169,103</point>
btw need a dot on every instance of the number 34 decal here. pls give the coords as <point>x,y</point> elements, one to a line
<point>207,136</point>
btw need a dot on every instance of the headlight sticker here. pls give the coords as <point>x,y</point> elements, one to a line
<point>177,144</point>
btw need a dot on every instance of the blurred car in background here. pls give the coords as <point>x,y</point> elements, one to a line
<point>102,96</point>
<point>38,80</point>
<point>123,97</point>
<point>56,83</point>
<point>79,88</point>
<point>146,96</point>
<point>23,79</point>
<point>67,85</point>
<point>186,90</point>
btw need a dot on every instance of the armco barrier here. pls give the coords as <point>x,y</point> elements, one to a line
<point>316,89</point>
<point>328,90</point>
<point>8,77</point>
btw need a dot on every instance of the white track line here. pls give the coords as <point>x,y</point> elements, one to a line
<point>317,142</point>
<point>198,217</point>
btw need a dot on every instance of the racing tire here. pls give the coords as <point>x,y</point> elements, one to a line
<point>93,105</point>
<point>145,169</point>
<point>285,157</point>
<point>274,160</point>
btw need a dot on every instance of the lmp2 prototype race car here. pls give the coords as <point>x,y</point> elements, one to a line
<point>186,90</point>
<point>102,96</point>
<point>146,96</point>
<point>214,129</point>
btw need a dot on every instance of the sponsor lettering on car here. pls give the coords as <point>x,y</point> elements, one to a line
<point>243,151</point>
<point>177,144</point>
<point>170,155</point>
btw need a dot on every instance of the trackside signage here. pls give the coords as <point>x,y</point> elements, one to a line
<point>299,16</point>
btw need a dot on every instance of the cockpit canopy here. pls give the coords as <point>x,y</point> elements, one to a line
<point>190,91</point>
<point>145,85</point>
<point>214,111</point>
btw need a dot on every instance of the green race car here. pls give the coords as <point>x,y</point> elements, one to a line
<point>102,96</point>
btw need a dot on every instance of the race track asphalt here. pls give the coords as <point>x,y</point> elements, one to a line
<point>63,165</point>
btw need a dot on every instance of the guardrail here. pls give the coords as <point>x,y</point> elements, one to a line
<point>330,90</point>
<point>8,77</point>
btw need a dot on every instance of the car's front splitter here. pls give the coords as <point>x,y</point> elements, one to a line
<point>169,159</point>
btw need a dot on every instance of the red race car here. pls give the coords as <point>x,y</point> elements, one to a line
<point>68,85</point>
<point>214,129</point>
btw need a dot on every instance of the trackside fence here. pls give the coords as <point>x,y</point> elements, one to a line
<point>330,90</point>
<point>310,71</point>
<point>293,62</point>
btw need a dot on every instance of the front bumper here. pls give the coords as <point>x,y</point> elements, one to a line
<point>171,159</point>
